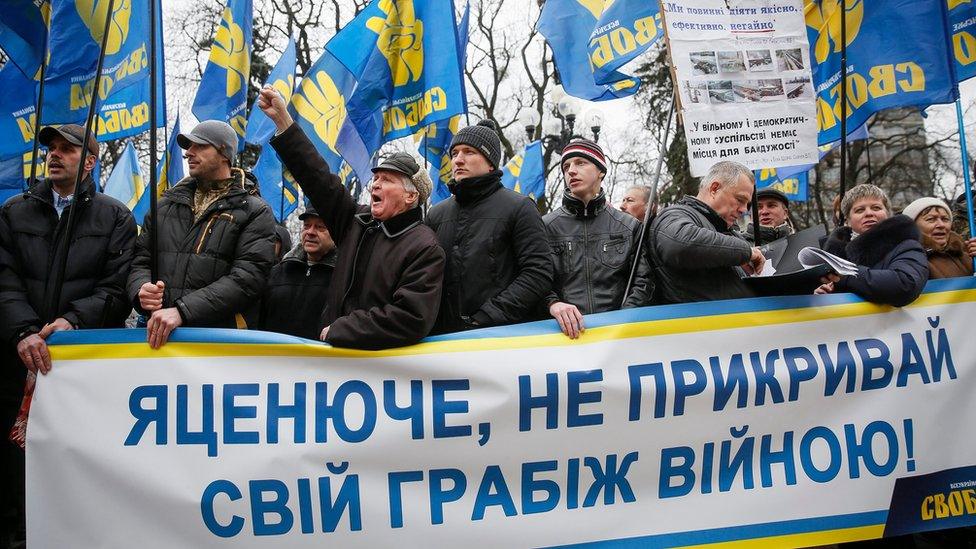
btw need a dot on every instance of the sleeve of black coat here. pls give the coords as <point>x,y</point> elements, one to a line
<point>900,284</point>
<point>534,280</point>
<point>15,310</point>
<point>407,318</point>
<point>642,287</point>
<point>680,243</point>
<point>242,286</point>
<point>108,304</point>
<point>139,269</point>
<point>322,188</point>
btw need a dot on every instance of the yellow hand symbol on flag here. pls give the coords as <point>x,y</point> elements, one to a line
<point>824,16</point>
<point>93,12</point>
<point>596,7</point>
<point>230,52</point>
<point>953,4</point>
<point>401,40</point>
<point>320,102</point>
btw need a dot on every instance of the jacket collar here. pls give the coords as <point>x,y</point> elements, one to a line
<point>396,225</point>
<point>42,190</point>
<point>298,255</point>
<point>954,247</point>
<point>185,188</point>
<point>706,210</point>
<point>591,209</point>
<point>871,247</point>
<point>473,189</point>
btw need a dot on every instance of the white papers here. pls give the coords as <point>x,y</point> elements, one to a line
<point>811,257</point>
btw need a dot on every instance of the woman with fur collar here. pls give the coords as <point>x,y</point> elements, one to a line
<point>892,266</point>
<point>949,255</point>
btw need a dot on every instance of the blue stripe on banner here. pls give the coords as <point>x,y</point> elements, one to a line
<point>749,532</point>
<point>542,327</point>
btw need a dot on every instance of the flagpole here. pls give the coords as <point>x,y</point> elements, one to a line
<point>38,110</point>
<point>153,175</point>
<point>54,304</point>
<point>843,99</point>
<point>965,173</point>
<point>281,203</point>
<point>756,236</point>
<point>652,205</point>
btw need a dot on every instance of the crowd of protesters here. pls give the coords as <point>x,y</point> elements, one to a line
<point>386,275</point>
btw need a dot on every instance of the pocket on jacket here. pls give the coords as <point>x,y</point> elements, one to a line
<point>219,236</point>
<point>613,250</point>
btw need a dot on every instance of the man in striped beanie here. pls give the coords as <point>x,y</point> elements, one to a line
<point>498,262</point>
<point>594,245</point>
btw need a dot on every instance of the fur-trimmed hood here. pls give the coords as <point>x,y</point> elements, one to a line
<point>872,247</point>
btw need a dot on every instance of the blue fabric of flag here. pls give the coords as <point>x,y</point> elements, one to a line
<point>319,106</point>
<point>169,170</point>
<point>125,184</point>
<point>271,182</point>
<point>525,173</point>
<point>860,133</point>
<point>16,111</point>
<point>260,128</point>
<point>403,56</point>
<point>564,23</point>
<point>884,70</point>
<point>23,33</point>
<point>625,29</point>
<point>962,21</point>
<point>794,186</point>
<point>222,94</point>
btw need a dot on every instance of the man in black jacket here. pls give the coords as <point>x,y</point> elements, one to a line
<point>216,243</point>
<point>32,245</point>
<point>694,252</point>
<point>389,270</point>
<point>299,285</point>
<point>499,266</point>
<point>593,245</point>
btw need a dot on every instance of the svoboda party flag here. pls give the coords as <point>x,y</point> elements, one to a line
<point>223,89</point>
<point>126,183</point>
<point>23,31</point>
<point>587,68</point>
<point>962,21</point>
<point>884,71</point>
<point>260,128</point>
<point>403,56</point>
<point>525,173</point>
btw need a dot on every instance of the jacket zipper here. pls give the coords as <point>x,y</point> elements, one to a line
<point>586,267</point>
<point>208,227</point>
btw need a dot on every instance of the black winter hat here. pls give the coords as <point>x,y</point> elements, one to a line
<point>483,136</point>
<point>770,192</point>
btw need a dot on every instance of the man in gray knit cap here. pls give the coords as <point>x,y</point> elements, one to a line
<point>498,261</point>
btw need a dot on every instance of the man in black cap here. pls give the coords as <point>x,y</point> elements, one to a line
<point>32,245</point>
<point>299,285</point>
<point>387,281</point>
<point>774,216</point>
<point>216,243</point>
<point>499,266</point>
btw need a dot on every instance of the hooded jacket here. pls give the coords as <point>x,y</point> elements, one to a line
<point>215,266</point>
<point>948,261</point>
<point>388,275</point>
<point>593,249</point>
<point>695,255</point>
<point>93,289</point>
<point>499,266</point>
<point>892,267</point>
<point>295,298</point>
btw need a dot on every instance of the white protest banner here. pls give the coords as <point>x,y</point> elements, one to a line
<point>791,421</point>
<point>742,71</point>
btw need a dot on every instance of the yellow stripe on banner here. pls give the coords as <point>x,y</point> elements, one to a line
<point>651,328</point>
<point>811,539</point>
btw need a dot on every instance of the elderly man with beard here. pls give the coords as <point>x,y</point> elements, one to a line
<point>92,293</point>
<point>389,271</point>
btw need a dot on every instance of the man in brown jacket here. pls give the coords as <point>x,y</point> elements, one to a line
<point>386,287</point>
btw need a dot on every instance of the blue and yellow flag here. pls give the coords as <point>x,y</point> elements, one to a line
<point>169,171</point>
<point>124,90</point>
<point>319,106</point>
<point>14,173</point>
<point>260,128</point>
<point>794,186</point>
<point>435,140</point>
<point>23,33</point>
<point>403,55</point>
<point>223,89</point>
<point>16,111</point>
<point>790,171</point>
<point>565,23</point>
<point>276,189</point>
<point>898,55</point>
<point>962,21</point>
<point>525,173</point>
<point>126,184</point>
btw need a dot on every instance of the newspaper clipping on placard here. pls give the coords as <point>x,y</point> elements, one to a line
<point>743,74</point>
